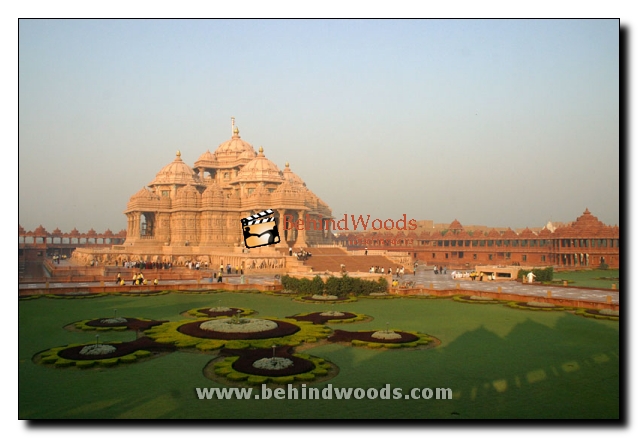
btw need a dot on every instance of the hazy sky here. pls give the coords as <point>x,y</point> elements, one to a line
<point>493,122</point>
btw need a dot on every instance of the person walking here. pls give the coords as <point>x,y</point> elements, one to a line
<point>530,277</point>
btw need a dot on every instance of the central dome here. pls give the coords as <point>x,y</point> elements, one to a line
<point>234,149</point>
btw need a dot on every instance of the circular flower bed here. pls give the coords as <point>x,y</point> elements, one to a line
<point>325,297</point>
<point>331,317</point>
<point>114,321</point>
<point>97,349</point>
<point>28,297</point>
<point>321,299</point>
<point>368,339</point>
<point>242,325</point>
<point>219,311</point>
<point>380,296</point>
<point>249,328</point>
<point>386,335</point>
<point>103,324</point>
<point>475,299</point>
<point>535,305</point>
<point>144,293</point>
<point>197,291</point>
<point>613,315</point>
<point>191,334</point>
<point>89,355</point>
<point>76,295</point>
<point>273,363</point>
<point>258,366</point>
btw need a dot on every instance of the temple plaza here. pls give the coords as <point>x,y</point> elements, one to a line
<point>143,323</point>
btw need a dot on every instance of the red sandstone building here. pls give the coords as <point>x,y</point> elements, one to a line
<point>584,243</point>
<point>39,243</point>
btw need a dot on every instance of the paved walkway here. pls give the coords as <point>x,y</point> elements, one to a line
<point>440,281</point>
<point>423,278</point>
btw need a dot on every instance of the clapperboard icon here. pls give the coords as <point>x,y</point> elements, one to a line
<point>260,229</point>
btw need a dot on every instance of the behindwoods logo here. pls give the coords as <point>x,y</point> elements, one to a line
<point>359,223</point>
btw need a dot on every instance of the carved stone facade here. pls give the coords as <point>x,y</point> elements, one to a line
<point>195,212</point>
<point>583,244</point>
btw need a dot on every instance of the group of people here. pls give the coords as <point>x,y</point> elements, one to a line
<point>303,255</point>
<point>145,265</point>
<point>440,269</point>
<point>400,271</point>
<point>196,265</point>
<point>229,269</point>
<point>138,279</point>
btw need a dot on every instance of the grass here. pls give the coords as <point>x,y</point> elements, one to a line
<point>595,278</point>
<point>500,363</point>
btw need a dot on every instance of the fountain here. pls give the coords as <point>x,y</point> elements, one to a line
<point>97,348</point>
<point>386,334</point>
<point>273,363</point>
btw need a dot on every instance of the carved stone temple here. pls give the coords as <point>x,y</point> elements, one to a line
<point>188,214</point>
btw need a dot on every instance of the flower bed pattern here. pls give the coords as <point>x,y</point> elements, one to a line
<point>125,352</point>
<point>365,339</point>
<point>188,334</point>
<point>534,305</point>
<point>323,318</point>
<point>310,299</point>
<point>102,324</point>
<point>475,299</point>
<point>145,293</point>
<point>599,314</point>
<point>209,312</point>
<point>76,295</point>
<point>198,291</point>
<point>28,297</point>
<point>379,296</point>
<point>239,366</point>
<point>248,341</point>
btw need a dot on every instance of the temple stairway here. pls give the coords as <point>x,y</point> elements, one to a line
<point>331,259</point>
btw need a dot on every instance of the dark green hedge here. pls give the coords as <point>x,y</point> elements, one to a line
<point>339,286</point>
<point>546,274</point>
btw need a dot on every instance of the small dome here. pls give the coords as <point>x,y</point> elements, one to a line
<point>145,194</point>
<point>177,172</point>
<point>292,177</point>
<point>260,169</point>
<point>206,160</point>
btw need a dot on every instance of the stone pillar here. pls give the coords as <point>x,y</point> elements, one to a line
<point>301,234</point>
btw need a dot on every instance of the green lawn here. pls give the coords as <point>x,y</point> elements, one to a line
<point>500,363</point>
<point>603,278</point>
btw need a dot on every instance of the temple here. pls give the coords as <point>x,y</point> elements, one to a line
<point>194,213</point>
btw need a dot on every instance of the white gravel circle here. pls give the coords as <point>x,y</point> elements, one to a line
<point>97,349</point>
<point>245,325</point>
<point>273,363</point>
<point>386,335</point>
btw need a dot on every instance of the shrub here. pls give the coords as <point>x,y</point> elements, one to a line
<point>257,380</point>
<point>317,285</point>
<point>338,286</point>
<point>546,274</point>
